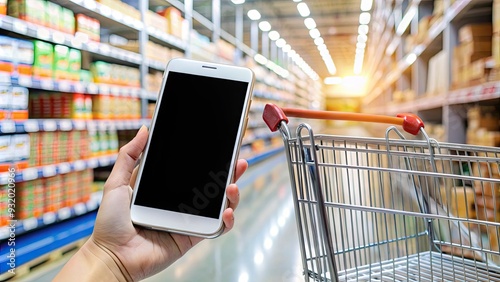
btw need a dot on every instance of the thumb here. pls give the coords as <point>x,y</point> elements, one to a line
<point>127,158</point>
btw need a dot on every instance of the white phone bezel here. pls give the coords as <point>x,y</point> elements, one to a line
<point>186,223</point>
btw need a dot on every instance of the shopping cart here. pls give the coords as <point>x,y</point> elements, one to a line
<point>403,207</point>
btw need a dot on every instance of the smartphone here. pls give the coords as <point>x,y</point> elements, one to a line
<point>194,139</point>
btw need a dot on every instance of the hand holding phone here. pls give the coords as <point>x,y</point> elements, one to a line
<point>186,166</point>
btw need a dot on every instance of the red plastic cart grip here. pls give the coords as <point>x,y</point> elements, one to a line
<point>274,115</point>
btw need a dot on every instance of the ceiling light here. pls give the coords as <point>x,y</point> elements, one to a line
<point>253,15</point>
<point>274,35</point>
<point>319,41</point>
<point>362,38</point>
<point>321,47</point>
<point>363,29</point>
<point>366,5</point>
<point>280,43</point>
<point>364,18</point>
<point>237,2</point>
<point>265,26</point>
<point>303,9</point>
<point>333,80</point>
<point>314,33</point>
<point>297,0</point>
<point>405,22</point>
<point>310,23</point>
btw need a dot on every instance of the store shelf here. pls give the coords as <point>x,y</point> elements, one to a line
<point>32,246</point>
<point>33,173</point>
<point>36,125</point>
<point>50,218</point>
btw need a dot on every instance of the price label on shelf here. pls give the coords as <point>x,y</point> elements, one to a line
<point>49,217</point>
<point>4,177</point>
<point>8,126</point>
<point>104,161</point>
<point>118,16</point>
<point>49,170</point>
<point>64,86</point>
<point>105,11</point>
<point>30,173</point>
<point>20,27</point>
<point>64,168</point>
<point>80,208</point>
<point>92,163</point>
<point>30,223</point>
<point>25,80</point>
<point>89,4</point>
<point>5,77</point>
<point>93,47</point>
<point>66,125</point>
<point>31,126</point>
<point>79,165</point>
<point>64,213</point>
<point>79,124</point>
<point>79,88</point>
<point>103,89</point>
<point>47,84</point>
<point>42,33</point>
<point>92,88</point>
<point>49,125</point>
<point>104,49</point>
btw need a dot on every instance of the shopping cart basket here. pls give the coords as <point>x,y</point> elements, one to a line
<point>403,207</point>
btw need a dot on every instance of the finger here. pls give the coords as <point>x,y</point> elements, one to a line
<point>233,195</point>
<point>127,157</point>
<point>228,218</point>
<point>241,167</point>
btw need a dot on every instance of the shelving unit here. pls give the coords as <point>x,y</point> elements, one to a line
<point>128,37</point>
<point>413,68</point>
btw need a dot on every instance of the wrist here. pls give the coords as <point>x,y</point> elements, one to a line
<point>94,262</point>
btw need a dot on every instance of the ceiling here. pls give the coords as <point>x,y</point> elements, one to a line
<point>337,21</point>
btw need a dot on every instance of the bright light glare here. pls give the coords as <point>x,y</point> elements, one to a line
<point>287,48</point>
<point>303,9</point>
<point>280,43</point>
<point>274,35</point>
<point>310,23</point>
<point>253,15</point>
<point>318,41</point>
<point>366,5</point>
<point>332,80</point>
<point>314,33</point>
<point>364,18</point>
<point>237,2</point>
<point>363,29</point>
<point>265,26</point>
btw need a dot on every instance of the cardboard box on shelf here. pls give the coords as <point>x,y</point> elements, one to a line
<point>483,117</point>
<point>475,32</point>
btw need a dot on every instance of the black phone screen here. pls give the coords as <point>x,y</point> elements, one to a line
<point>192,143</point>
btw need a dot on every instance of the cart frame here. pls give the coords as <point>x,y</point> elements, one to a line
<point>393,208</point>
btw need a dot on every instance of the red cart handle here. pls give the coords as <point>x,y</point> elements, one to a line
<point>274,115</point>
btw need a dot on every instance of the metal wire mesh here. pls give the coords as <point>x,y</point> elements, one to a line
<point>390,209</point>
